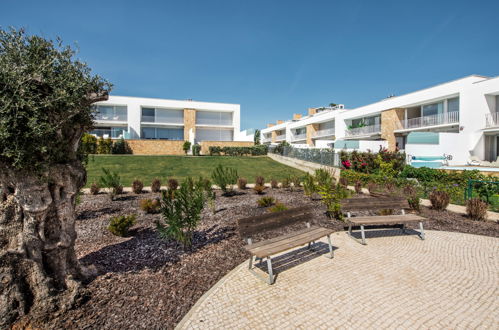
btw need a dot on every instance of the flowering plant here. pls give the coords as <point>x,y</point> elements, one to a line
<point>346,164</point>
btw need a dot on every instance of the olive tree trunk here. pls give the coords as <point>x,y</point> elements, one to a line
<point>39,272</point>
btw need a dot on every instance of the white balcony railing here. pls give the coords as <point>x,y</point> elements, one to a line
<point>266,139</point>
<point>366,130</point>
<point>299,137</point>
<point>111,116</point>
<point>492,119</point>
<point>323,133</point>
<point>433,120</point>
<point>281,137</point>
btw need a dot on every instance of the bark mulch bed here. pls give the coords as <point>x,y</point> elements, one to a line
<point>145,282</point>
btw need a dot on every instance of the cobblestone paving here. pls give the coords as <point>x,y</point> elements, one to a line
<point>450,280</point>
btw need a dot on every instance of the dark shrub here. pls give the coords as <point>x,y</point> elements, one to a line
<point>172,184</point>
<point>274,184</point>
<point>94,188</point>
<point>259,189</point>
<point>412,196</point>
<point>241,183</point>
<point>120,147</point>
<point>155,186</point>
<point>137,186</point>
<point>104,146</point>
<point>286,182</point>
<point>439,199</point>
<point>88,144</point>
<point>358,187</point>
<point>149,205</point>
<point>476,209</point>
<point>119,225</point>
<point>266,201</point>
<point>196,150</point>
<point>372,187</point>
<point>186,147</point>
<point>259,180</point>
<point>343,182</point>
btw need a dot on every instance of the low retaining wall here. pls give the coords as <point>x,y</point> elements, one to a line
<point>156,147</point>
<point>303,165</point>
<point>205,145</point>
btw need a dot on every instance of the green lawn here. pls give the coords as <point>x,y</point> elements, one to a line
<point>146,168</point>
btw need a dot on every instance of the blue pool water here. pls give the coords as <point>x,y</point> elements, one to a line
<point>469,168</point>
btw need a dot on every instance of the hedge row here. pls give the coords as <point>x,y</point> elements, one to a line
<point>257,150</point>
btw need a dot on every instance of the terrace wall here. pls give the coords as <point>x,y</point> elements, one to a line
<point>156,147</point>
<point>205,145</point>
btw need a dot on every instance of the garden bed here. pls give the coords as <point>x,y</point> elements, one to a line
<point>145,282</point>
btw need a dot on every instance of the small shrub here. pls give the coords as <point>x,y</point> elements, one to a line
<point>309,186</point>
<point>476,209</point>
<point>259,181</point>
<point>358,187</point>
<point>113,181</point>
<point>181,212</point>
<point>241,183</point>
<point>372,187</point>
<point>331,197</point>
<point>172,184</point>
<point>412,197</point>
<point>323,177</point>
<point>386,212</point>
<point>196,150</point>
<point>278,207</point>
<point>137,186</point>
<point>186,147</point>
<point>149,205</point>
<point>120,147</point>
<point>296,180</point>
<point>343,182</point>
<point>104,146</point>
<point>259,189</point>
<point>274,184</point>
<point>94,188</point>
<point>156,186</point>
<point>439,199</point>
<point>120,225</point>
<point>88,144</point>
<point>286,182</point>
<point>225,178</point>
<point>266,201</point>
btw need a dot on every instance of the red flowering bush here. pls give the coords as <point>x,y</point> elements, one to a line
<point>346,164</point>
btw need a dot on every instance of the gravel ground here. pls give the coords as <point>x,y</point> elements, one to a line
<point>143,281</point>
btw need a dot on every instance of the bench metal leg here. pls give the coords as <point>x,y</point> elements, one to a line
<point>269,267</point>
<point>363,234</point>
<point>403,229</point>
<point>421,231</point>
<point>331,253</point>
<point>250,266</point>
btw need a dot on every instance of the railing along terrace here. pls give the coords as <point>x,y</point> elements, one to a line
<point>365,130</point>
<point>492,119</point>
<point>433,120</point>
<point>299,137</point>
<point>322,156</point>
<point>280,137</point>
<point>324,132</point>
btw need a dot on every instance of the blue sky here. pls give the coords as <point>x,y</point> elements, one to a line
<point>275,58</point>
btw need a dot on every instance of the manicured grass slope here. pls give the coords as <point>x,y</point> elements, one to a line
<point>146,168</point>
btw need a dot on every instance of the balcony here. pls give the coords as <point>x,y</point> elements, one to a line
<point>492,120</point>
<point>281,137</point>
<point>113,133</point>
<point>323,133</point>
<point>299,137</point>
<point>266,139</point>
<point>171,120</point>
<point>433,120</point>
<point>365,130</point>
<point>111,116</point>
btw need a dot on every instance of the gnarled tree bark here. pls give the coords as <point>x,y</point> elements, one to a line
<point>39,271</point>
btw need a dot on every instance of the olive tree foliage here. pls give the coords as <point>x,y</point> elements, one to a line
<point>45,107</point>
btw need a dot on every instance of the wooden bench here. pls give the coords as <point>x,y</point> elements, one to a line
<point>248,227</point>
<point>380,203</point>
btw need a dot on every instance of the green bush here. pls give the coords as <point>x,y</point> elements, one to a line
<point>111,180</point>
<point>369,162</point>
<point>196,150</point>
<point>225,178</point>
<point>331,197</point>
<point>309,185</point>
<point>149,205</point>
<point>256,150</point>
<point>120,225</point>
<point>181,212</point>
<point>104,146</point>
<point>266,201</point>
<point>120,147</point>
<point>186,147</point>
<point>88,144</point>
<point>278,207</point>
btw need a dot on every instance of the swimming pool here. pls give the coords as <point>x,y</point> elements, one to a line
<point>469,168</point>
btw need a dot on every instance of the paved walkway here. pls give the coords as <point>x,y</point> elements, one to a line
<point>450,280</point>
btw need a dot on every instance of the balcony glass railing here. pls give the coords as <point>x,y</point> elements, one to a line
<point>280,137</point>
<point>492,119</point>
<point>365,130</point>
<point>299,137</point>
<point>114,133</point>
<point>433,120</point>
<point>111,116</point>
<point>323,133</point>
<point>162,119</point>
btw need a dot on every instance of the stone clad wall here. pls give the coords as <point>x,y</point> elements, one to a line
<point>311,129</point>
<point>205,145</point>
<point>390,121</point>
<point>189,122</point>
<point>156,147</point>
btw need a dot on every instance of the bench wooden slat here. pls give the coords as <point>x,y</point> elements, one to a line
<point>264,251</point>
<point>255,225</point>
<point>359,204</point>
<point>283,238</point>
<point>385,220</point>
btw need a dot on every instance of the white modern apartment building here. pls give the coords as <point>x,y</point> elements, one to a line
<point>161,119</point>
<point>457,119</point>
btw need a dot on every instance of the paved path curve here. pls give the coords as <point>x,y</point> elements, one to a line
<point>448,281</point>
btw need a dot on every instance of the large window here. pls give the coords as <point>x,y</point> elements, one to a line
<point>216,118</point>
<point>162,133</point>
<point>211,134</point>
<point>433,109</point>
<point>367,121</point>
<point>111,113</point>
<point>165,116</point>
<point>326,125</point>
<point>453,105</point>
